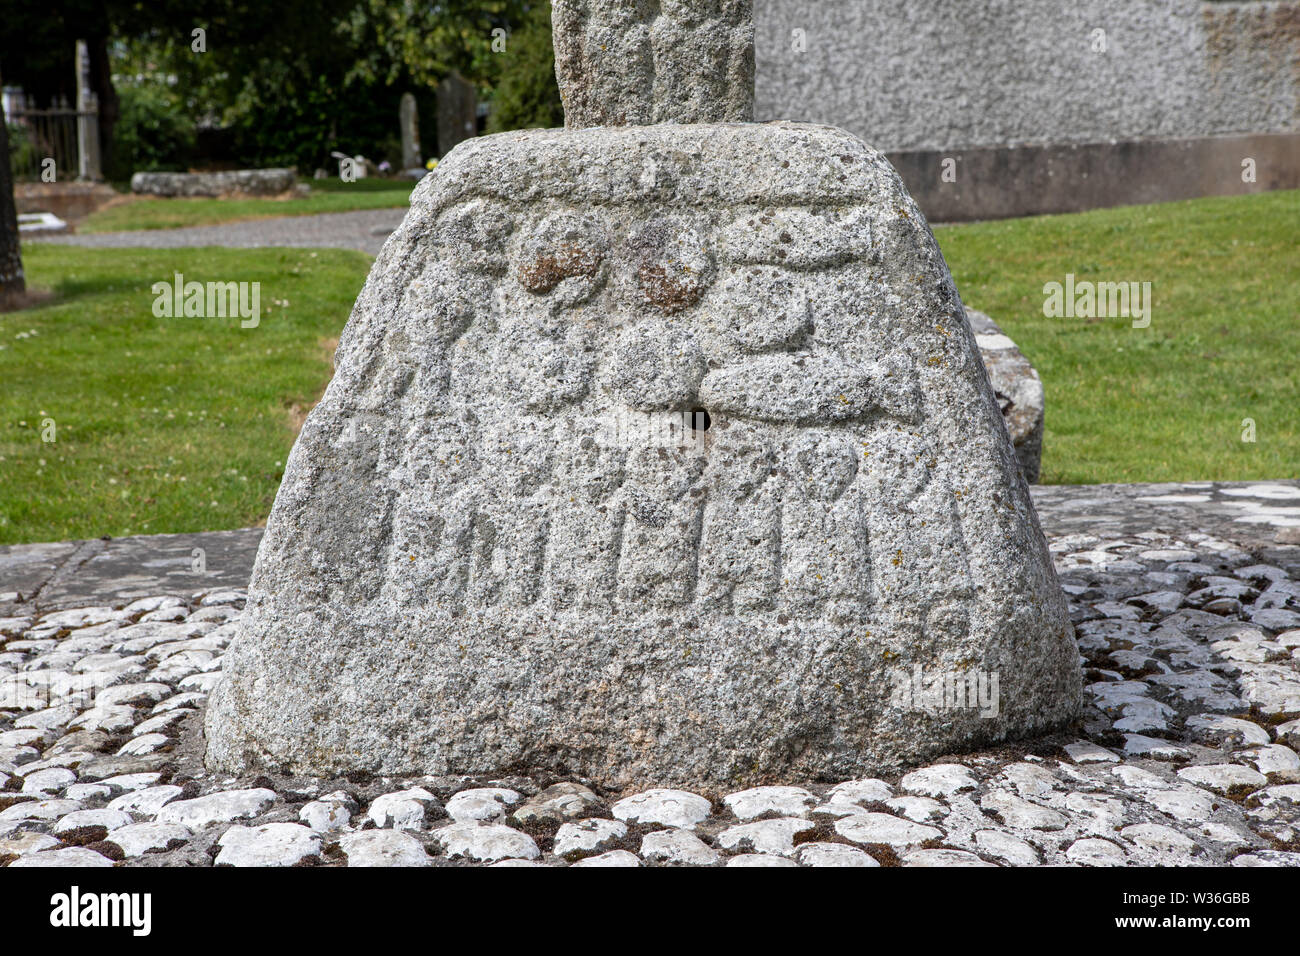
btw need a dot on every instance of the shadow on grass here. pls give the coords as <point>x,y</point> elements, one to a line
<point>65,291</point>
<point>367,185</point>
<point>72,288</point>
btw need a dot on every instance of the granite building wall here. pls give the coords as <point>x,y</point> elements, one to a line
<point>1145,80</point>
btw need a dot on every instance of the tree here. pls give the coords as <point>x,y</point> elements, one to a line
<point>276,83</point>
<point>37,42</point>
<point>12,283</point>
<point>427,41</point>
<point>527,94</point>
<point>293,48</point>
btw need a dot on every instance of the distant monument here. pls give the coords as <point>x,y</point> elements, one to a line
<point>457,112</point>
<point>654,454</point>
<point>410,120</point>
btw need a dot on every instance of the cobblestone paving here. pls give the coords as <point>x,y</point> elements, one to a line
<point>1185,755</point>
<point>365,230</point>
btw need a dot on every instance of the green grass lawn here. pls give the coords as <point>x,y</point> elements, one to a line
<point>162,424</point>
<point>167,425</point>
<point>1164,403</point>
<point>328,195</point>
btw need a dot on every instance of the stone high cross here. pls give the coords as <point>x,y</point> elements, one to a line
<point>638,62</point>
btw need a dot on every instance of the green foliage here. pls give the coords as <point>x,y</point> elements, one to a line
<point>301,128</point>
<point>24,156</point>
<point>527,95</point>
<point>37,40</point>
<point>424,42</point>
<point>241,108</point>
<point>283,83</point>
<point>153,132</point>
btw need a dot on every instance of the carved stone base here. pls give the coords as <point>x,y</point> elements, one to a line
<point>654,454</point>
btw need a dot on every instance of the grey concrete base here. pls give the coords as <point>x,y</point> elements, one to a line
<point>1003,182</point>
<point>1256,516</point>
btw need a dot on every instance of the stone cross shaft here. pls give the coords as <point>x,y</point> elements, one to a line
<point>640,62</point>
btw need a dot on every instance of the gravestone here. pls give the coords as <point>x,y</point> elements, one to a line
<point>457,112</point>
<point>410,120</point>
<point>480,562</point>
<point>226,182</point>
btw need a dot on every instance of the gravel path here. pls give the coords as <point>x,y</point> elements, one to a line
<point>365,230</point>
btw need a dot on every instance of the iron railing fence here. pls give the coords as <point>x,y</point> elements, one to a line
<point>39,135</point>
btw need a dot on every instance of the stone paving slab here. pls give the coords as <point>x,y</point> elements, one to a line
<point>83,573</point>
<point>25,569</point>
<point>1252,515</point>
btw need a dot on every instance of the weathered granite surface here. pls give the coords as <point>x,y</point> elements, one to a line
<point>637,62</point>
<point>947,75</point>
<point>466,570</point>
<point>1018,389</point>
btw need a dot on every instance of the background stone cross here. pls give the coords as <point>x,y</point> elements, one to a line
<point>638,62</point>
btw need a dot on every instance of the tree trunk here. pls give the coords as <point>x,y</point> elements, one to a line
<point>101,81</point>
<point>12,284</point>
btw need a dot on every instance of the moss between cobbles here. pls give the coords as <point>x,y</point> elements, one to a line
<point>110,849</point>
<point>884,854</point>
<point>81,836</point>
